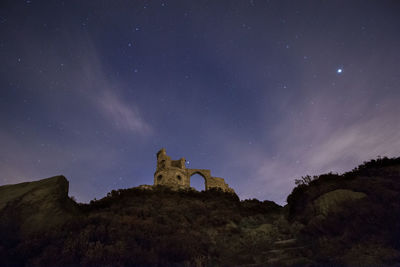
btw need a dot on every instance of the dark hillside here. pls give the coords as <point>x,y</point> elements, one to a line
<point>160,227</point>
<point>330,220</point>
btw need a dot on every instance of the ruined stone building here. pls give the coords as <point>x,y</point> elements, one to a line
<point>174,174</point>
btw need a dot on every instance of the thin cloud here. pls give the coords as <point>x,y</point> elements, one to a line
<point>88,83</point>
<point>93,81</point>
<point>327,135</point>
<point>313,150</point>
<point>121,115</point>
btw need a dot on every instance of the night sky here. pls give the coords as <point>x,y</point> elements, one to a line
<point>260,92</point>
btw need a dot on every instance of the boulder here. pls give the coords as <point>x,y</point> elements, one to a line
<point>34,206</point>
<point>329,202</point>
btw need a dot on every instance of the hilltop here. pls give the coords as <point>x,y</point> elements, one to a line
<point>330,220</point>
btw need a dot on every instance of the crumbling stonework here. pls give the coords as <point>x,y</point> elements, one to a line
<point>174,174</point>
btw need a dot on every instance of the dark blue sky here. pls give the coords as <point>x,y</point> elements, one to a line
<point>260,92</point>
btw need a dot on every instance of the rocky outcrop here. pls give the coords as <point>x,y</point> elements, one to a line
<point>350,219</point>
<point>34,206</point>
<point>331,201</point>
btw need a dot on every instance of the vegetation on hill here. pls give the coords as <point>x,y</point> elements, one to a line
<point>330,220</point>
<point>134,227</point>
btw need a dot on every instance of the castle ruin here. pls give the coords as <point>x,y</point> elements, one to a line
<point>174,174</point>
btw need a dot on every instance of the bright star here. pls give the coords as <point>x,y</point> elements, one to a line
<point>339,70</point>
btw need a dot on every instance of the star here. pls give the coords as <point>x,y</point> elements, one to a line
<point>339,70</point>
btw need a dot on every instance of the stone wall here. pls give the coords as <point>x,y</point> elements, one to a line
<point>173,173</point>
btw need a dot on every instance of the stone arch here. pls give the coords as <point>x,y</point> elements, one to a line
<point>203,173</point>
<point>198,183</point>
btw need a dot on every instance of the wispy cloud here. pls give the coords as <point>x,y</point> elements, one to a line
<point>82,125</point>
<point>89,83</point>
<point>316,151</point>
<point>324,135</point>
<point>121,115</point>
<point>106,95</point>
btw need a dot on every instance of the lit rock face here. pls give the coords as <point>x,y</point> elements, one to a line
<point>331,201</point>
<point>35,205</point>
<point>174,174</point>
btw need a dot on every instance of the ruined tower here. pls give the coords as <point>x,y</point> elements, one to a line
<point>174,174</point>
<point>170,172</point>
